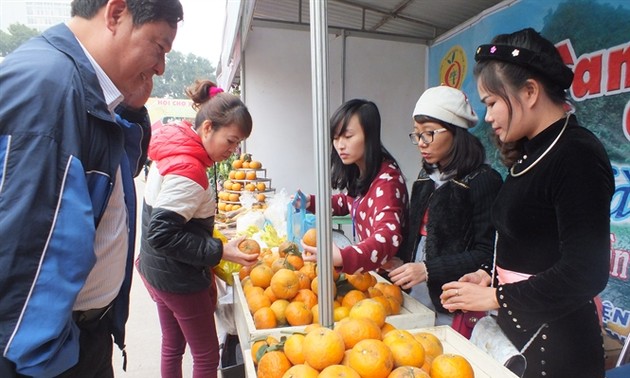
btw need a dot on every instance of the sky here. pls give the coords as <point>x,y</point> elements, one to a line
<point>201,32</point>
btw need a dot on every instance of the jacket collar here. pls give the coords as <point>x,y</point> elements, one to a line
<point>62,38</point>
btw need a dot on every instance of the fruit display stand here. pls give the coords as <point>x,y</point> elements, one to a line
<point>413,314</point>
<point>483,365</point>
<point>253,181</point>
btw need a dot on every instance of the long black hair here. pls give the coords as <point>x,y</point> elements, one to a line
<point>466,153</point>
<point>348,176</point>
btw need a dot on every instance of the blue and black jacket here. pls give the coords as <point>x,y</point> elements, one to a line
<point>59,151</point>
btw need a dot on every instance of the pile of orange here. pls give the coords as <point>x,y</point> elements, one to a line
<point>243,177</point>
<point>284,284</point>
<point>357,348</point>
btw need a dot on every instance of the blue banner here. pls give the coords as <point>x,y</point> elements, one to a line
<point>593,39</point>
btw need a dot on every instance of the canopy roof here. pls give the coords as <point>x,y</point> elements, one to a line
<point>421,21</point>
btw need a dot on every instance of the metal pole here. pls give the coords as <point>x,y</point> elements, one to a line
<point>321,133</point>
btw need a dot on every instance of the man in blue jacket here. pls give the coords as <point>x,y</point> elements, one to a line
<point>73,134</point>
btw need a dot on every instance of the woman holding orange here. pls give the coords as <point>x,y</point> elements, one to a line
<point>450,233</point>
<point>373,189</point>
<point>177,247</point>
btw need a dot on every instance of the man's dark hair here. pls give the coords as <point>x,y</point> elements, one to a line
<point>142,11</point>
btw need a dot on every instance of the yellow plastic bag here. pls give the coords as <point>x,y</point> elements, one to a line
<point>224,269</point>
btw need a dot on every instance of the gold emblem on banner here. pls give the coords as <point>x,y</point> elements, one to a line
<point>453,67</point>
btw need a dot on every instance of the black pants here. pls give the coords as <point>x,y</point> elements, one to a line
<point>95,353</point>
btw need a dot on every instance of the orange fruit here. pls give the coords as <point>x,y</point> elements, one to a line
<point>352,297</point>
<point>397,334</point>
<point>257,301</point>
<point>244,272</point>
<point>269,294</point>
<point>255,164</point>
<point>374,292</point>
<point>354,330</point>
<point>385,303</point>
<point>261,186</point>
<point>296,261</point>
<point>298,314</point>
<point>240,175</point>
<point>278,307</point>
<point>251,290</point>
<point>234,197</point>
<point>238,163</point>
<point>370,309</point>
<point>221,206</point>
<point>338,371</point>
<point>250,187</point>
<point>279,263</point>
<point>323,347</point>
<point>294,348</point>
<point>431,343</point>
<point>265,318</point>
<point>451,366</point>
<point>273,365</point>
<point>340,312</point>
<point>237,186</point>
<point>246,283</point>
<point>391,290</point>
<point>301,371</point>
<point>304,281</point>
<point>287,248</point>
<point>394,305</point>
<point>310,269</point>
<point>231,175</point>
<point>310,237</point>
<point>249,246</point>
<point>260,197</point>
<point>259,344</point>
<point>307,296</point>
<point>285,283</point>
<point>386,328</point>
<point>408,372</point>
<point>407,352</point>
<point>250,175</point>
<point>261,275</point>
<point>360,281</point>
<point>371,358</point>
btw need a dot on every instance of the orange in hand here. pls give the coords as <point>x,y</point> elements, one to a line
<point>310,237</point>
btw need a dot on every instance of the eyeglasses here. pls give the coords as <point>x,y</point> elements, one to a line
<point>425,136</point>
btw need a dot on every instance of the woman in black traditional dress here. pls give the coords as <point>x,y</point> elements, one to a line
<point>552,214</point>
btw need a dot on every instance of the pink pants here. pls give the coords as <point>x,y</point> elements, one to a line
<point>187,318</point>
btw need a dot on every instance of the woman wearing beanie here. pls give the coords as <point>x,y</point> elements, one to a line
<point>177,248</point>
<point>449,232</point>
<point>552,214</point>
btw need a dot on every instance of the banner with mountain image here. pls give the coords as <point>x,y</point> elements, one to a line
<point>593,37</point>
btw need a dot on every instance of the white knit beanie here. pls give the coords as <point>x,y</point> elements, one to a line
<point>448,105</point>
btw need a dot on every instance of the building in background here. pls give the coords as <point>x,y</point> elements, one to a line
<point>36,14</point>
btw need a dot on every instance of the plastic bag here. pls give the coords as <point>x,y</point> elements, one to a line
<point>276,212</point>
<point>298,219</point>
<point>224,269</point>
<point>251,218</point>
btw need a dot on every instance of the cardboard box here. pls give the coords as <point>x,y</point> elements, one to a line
<point>412,314</point>
<point>483,365</point>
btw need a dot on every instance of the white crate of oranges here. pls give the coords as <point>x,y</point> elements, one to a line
<point>354,348</point>
<point>280,293</point>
